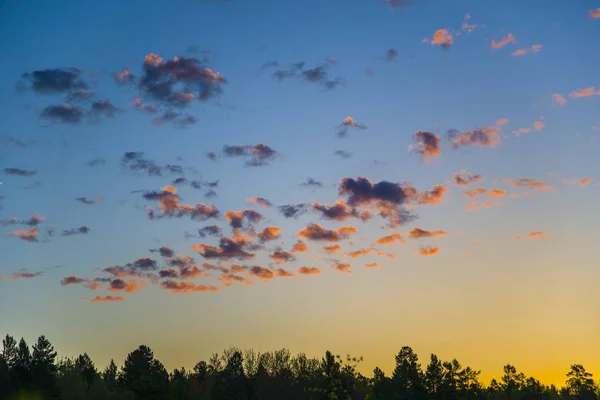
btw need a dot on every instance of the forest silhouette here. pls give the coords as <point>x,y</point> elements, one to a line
<point>37,373</point>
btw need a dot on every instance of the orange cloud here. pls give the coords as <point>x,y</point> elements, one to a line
<point>391,239</point>
<point>433,196</point>
<point>487,136</point>
<point>443,38</point>
<point>474,193</point>
<point>269,233</point>
<point>281,256</point>
<point>332,249</point>
<point>229,279</point>
<point>428,145</point>
<point>502,121</point>
<point>418,233</point>
<point>521,52</point>
<point>478,206</point>
<point>263,273</point>
<point>496,193</point>
<point>186,287</point>
<point>119,285</point>
<point>309,271</point>
<point>463,178</point>
<point>558,99</point>
<point>585,181</point>
<point>429,250</point>
<point>580,182</point>
<point>29,235</point>
<point>522,131</point>
<point>318,233</point>
<point>587,92</point>
<point>372,265</point>
<point>338,211</point>
<point>503,42</point>
<point>594,13</point>
<point>530,183</point>
<point>537,236</point>
<point>282,273</point>
<point>342,267</point>
<point>538,125</point>
<point>264,203</point>
<point>300,247</point>
<point>106,299</point>
<point>359,253</point>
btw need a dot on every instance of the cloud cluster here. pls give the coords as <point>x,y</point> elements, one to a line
<point>503,42</point>
<point>487,136</point>
<point>169,205</point>
<point>521,52</point>
<point>318,75</point>
<point>316,232</point>
<point>463,178</point>
<point>427,145</point>
<point>349,123</point>
<point>135,162</point>
<point>339,211</point>
<point>257,155</point>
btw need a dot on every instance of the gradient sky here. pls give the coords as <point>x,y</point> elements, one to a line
<point>484,297</point>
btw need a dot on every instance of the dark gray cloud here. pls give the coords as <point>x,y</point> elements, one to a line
<point>180,120</point>
<point>258,155</point>
<point>318,75</point>
<point>86,200</point>
<point>96,162</point>
<point>19,172</point>
<point>83,230</point>
<point>55,80</point>
<point>104,107</point>
<point>293,210</point>
<point>135,161</point>
<point>391,54</point>
<point>342,154</point>
<point>310,182</point>
<point>349,123</point>
<point>210,230</point>
<point>228,248</point>
<point>62,113</point>
<point>164,251</point>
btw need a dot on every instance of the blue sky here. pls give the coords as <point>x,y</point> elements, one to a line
<point>424,88</point>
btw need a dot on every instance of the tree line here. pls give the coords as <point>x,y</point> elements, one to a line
<point>37,374</point>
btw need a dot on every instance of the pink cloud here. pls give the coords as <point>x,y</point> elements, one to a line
<point>503,42</point>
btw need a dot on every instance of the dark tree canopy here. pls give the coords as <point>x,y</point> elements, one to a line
<point>36,373</point>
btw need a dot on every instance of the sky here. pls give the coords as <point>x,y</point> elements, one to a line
<point>317,175</point>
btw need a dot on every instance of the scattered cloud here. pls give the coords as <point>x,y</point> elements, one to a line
<point>349,123</point>
<point>236,218</point>
<point>391,54</point>
<point>19,172</point>
<point>521,52</point>
<point>537,236</point>
<point>179,287</point>
<point>56,80</point>
<point>371,265</point>
<point>318,233</point>
<point>334,248</point>
<point>342,267</point>
<point>463,178</point>
<point>395,238</point>
<point>487,136</point>
<point>106,299</point>
<point>299,247</point>
<point>62,113</point>
<point>83,230</point>
<point>228,248</point>
<point>310,182</point>
<point>257,155</point>
<point>269,233</point>
<point>427,145</point>
<point>339,211</point>
<point>309,271</point>
<point>418,233</point>
<point>429,250</point>
<point>558,99</point>
<point>86,200</point>
<point>210,230</point>
<point>264,203</point>
<point>29,235</point>
<point>503,42</point>
<point>586,92</point>
<point>281,257</point>
<point>527,183</point>
<point>293,210</point>
<point>594,13</point>
<point>342,154</point>
<point>318,75</point>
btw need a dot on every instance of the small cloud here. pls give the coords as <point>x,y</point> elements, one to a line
<point>391,54</point>
<point>310,182</point>
<point>318,233</point>
<point>258,155</point>
<point>281,257</point>
<point>427,145</point>
<point>269,233</point>
<point>228,248</point>
<point>584,181</point>
<point>124,77</point>
<point>372,265</point>
<point>264,203</point>
<point>537,236</point>
<point>22,275</point>
<point>293,210</point>
<point>503,42</point>
<point>342,267</point>
<point>164,251</point>
<point>263,273</point>
<point>527,183</point>
<point>299,247</point>
<point>309,271</point>
<point>63,113</point>
<point>86,200</point>
<point>558,99</point>
<point>487,136</point>
<point>521,52</point>
<point>538,125</point>
<point>332,249</point>
<point>594,13</point>
<point>106,299</point>
<point>210,230</point>
<point>342,154</point>
<point>463,178</point>
<point>83,230</point>
<point>587,92</point>
<point>429,250</point>
<point>340,212</point>
<point>236,218</point>
<point>29,235</point>
<point>19,172</point>
<point>186,287</point>
<point>55,80</point>
<point>395,238</point>
<point>443,38</point>
<point>418,233</point>
<point>348,123</point>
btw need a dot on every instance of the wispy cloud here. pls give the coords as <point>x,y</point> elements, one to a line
<point>503,42</point>
<point>586,92</point>
<point>521,52</point>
